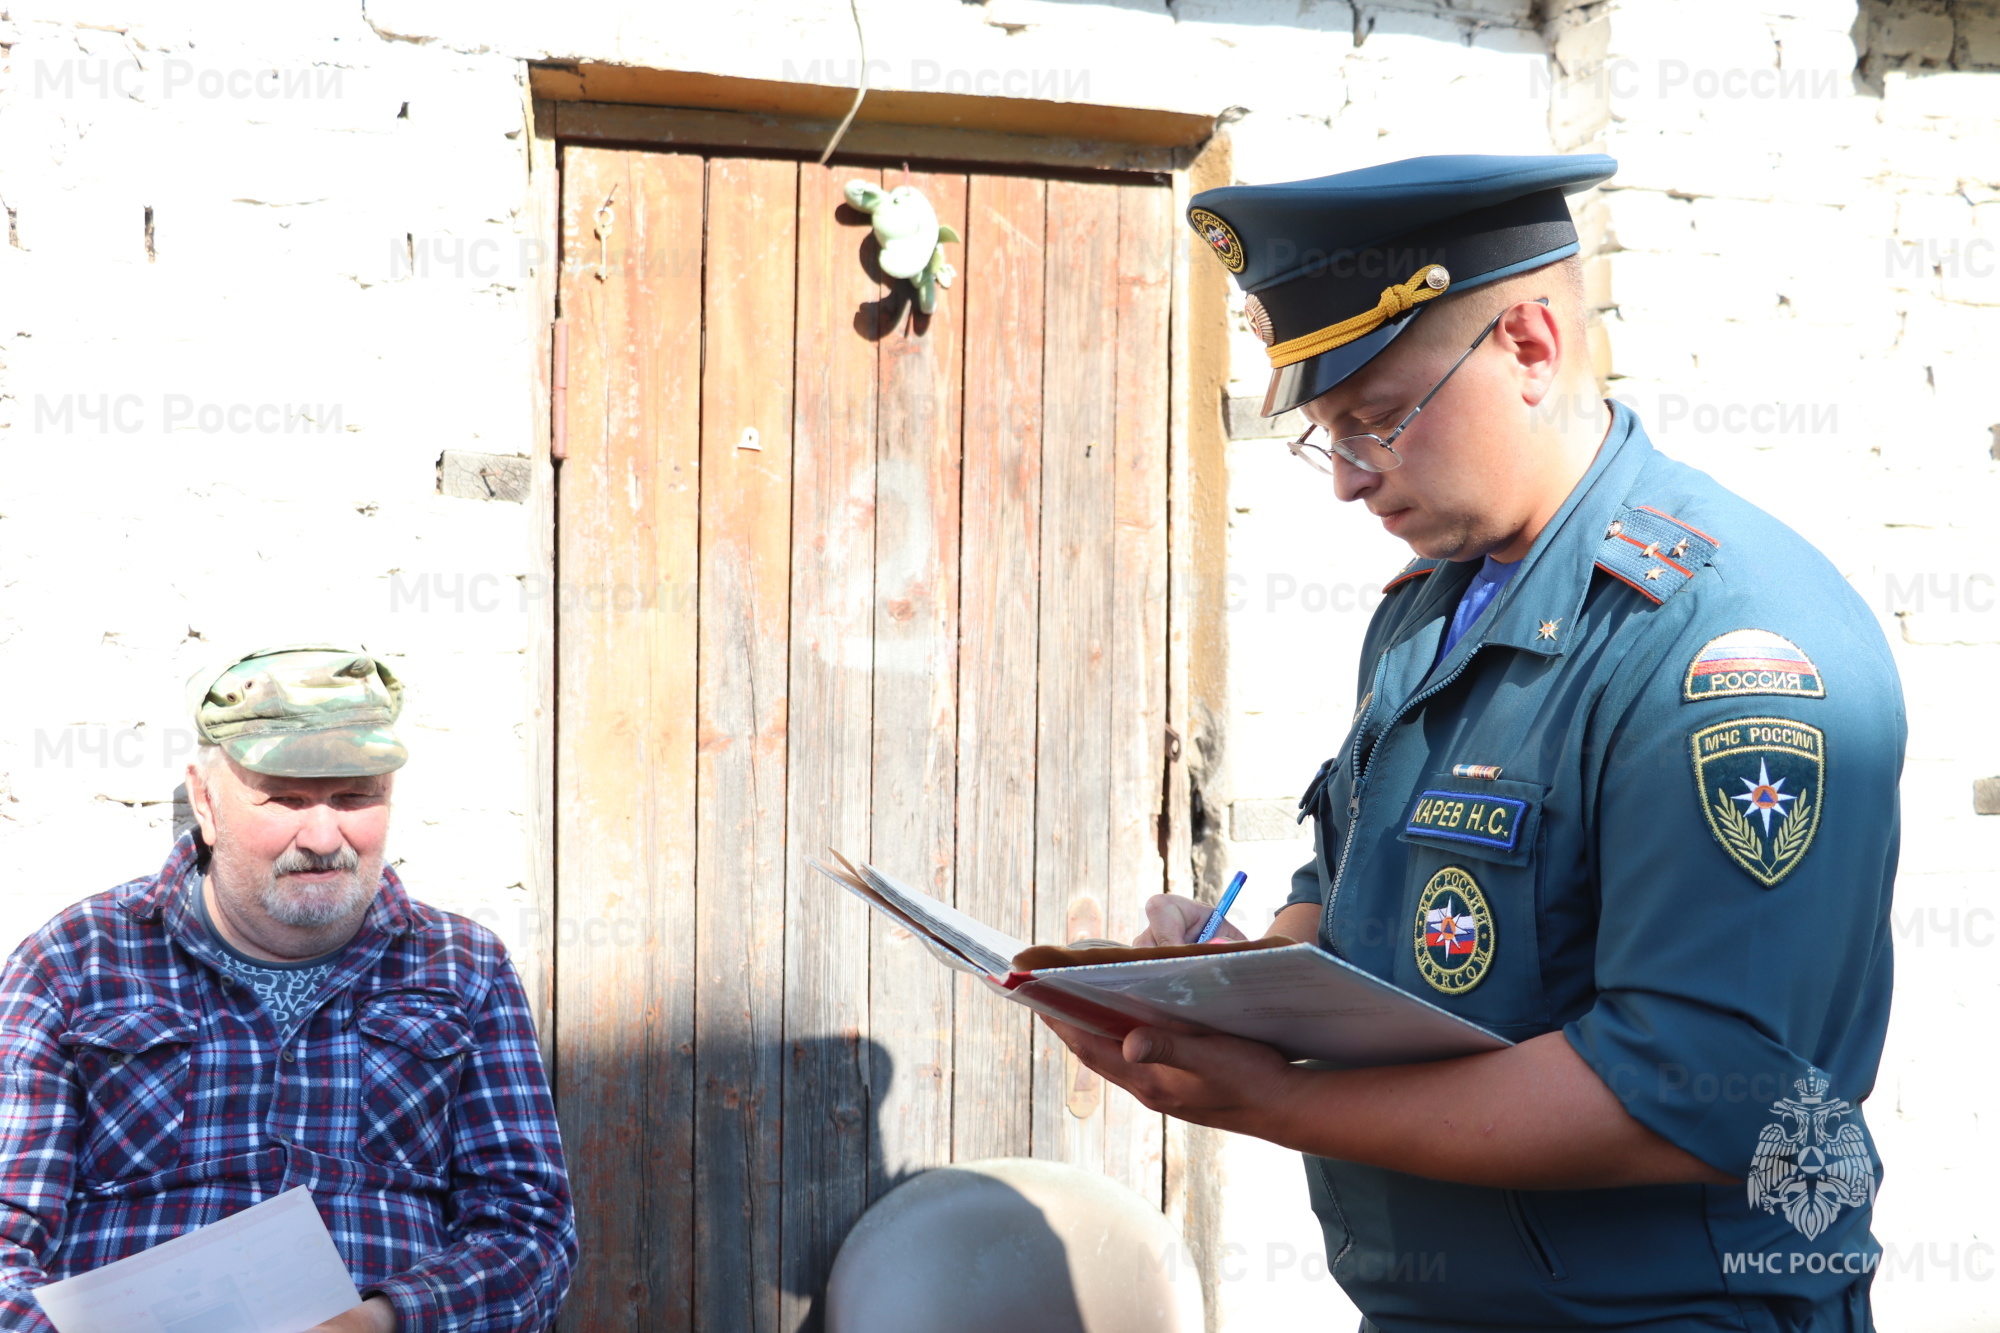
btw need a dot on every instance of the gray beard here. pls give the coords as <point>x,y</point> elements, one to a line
<point>310,906</point>
<point>307,906</point>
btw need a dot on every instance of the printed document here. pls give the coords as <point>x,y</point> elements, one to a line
<point>271,1268</point>
<point>1298,998</point>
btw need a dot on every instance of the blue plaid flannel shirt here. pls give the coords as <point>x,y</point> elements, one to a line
<point>143,1094</point>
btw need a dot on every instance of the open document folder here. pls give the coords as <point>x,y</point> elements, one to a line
<point>1298,998</point>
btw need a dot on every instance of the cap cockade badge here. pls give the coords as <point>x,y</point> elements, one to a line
<point>1260,319</point>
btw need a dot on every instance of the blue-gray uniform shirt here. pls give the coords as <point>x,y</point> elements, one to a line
<point>1648,801</point>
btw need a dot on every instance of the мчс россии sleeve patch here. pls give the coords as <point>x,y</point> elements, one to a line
<point>1761,781</point>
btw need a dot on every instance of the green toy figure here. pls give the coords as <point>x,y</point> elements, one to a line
<point>910,236</point>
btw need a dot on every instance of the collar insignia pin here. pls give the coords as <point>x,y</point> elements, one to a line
<point>1548,629</point>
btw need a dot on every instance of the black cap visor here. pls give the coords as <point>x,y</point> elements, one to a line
<point>1302,381</point>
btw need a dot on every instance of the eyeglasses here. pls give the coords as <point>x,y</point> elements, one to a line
<point>1371,452</point>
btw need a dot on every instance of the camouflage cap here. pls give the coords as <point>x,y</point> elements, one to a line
<point>304,711</point>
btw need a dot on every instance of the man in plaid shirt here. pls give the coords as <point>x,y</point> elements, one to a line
<point>271,1010</point>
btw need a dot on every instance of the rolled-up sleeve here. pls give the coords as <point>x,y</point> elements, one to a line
<point>1743,943</point>
<point>510,1216</point>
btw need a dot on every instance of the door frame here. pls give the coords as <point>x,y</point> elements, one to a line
<point>655,108</point>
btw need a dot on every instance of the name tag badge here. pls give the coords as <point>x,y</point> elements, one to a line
<point>1459,816</point>
<point>1493,820</point>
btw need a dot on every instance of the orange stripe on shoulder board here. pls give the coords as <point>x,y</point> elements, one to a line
<point>1653,553</point>
<point>1689,526</point>
<point>1651,596</point>
<point>1410,572</point>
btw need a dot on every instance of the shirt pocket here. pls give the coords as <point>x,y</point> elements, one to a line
<point>1309,803</point>
<point>1473,899</point>
<point>133,1064</point>
<point>413,1048</point>
<point>1311,882</point>
<point>1493,821</point>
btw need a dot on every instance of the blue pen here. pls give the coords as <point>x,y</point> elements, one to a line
<point>1221,909</point>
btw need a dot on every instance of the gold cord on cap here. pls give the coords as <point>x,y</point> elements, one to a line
<point>1426,283</point>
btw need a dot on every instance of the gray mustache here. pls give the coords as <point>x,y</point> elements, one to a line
<point>301,862</point>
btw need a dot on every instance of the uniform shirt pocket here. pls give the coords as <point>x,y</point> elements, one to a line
<point>132,1063</point>
<point>1534,1237</point>
<point>1473,900</point>
<point>1309,803</point>
<point>1494,821</point>
<point>413,1048</point>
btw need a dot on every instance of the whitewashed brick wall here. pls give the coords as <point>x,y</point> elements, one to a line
<point>230,440</point>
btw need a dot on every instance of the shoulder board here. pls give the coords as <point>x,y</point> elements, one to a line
<point>1416,569</point>
<point>1653,553</point>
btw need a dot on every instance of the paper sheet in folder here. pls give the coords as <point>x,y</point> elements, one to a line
<point>1299,998</point>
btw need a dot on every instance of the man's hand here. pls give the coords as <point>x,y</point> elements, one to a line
<point>374,1315</point>
<point>1208,1079</point>
<point>1172,918</point>
<point>1533,1116</point>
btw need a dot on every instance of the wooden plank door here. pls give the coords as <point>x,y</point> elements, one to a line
<point>834,573</point>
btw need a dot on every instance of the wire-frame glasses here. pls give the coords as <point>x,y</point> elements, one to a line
<point>1371,452</point>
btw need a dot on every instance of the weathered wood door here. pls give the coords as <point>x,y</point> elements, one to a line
<point>836,574</point>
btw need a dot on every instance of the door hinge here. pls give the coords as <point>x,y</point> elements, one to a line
<point>559,392</point>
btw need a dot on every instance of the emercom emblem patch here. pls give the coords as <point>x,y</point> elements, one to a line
<point>1761,782</point>
<point>1219,234</point>
<point>1454,932</point>
<point>1752,661</point>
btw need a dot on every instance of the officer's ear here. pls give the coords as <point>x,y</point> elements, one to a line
<point>1532,335</point>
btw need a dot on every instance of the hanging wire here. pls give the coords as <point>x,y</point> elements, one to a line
<point>861,88</point>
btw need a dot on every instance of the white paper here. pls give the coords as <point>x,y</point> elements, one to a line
<point>271,1268</point>
<point>987,948</point>
<point>948,933</point>
<point>1300,999</point>
<point>1305,1002</point>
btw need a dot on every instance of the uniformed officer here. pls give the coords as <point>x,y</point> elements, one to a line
<point>1620,785</point>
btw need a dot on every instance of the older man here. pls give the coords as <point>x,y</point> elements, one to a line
<point>271,1009</point>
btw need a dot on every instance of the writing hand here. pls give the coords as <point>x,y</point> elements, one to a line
<point>1173,918</point>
